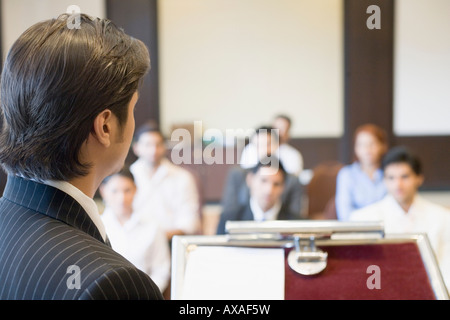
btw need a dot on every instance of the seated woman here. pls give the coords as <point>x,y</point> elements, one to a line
<point>361,183</point>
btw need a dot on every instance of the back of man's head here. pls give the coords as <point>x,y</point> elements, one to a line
<point>54,83</point>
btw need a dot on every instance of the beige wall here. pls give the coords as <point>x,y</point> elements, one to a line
<point>422,67</point>
<point>18,15</point>
<point>235,63</point>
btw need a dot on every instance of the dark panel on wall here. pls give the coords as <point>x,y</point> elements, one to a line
<point>434,153</point>
<point>368,69</point>
<point>317,150</point>
<point>138,18</point>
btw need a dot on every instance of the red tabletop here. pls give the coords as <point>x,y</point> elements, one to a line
<point>402,274</point>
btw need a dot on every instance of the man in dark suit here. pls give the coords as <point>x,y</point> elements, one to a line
<point>68,96</point>
<point>265,183</point>
<point>236,191</point>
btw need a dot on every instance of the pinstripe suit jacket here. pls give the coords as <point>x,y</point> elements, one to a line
<point>51,249</point>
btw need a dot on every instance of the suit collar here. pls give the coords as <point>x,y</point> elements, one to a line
<point>86,202</point>
<point>246,213</point>
<point>51,202</point>
<point>260,215</point>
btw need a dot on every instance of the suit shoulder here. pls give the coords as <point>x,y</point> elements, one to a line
<point>124,282</point>
<point>44,263</point>
<point>108,275</point>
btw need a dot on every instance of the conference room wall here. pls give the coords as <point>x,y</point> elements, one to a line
<point>18,15</point>
<point>368,82</point>
<point>368,86</point>
<point>234,64</point>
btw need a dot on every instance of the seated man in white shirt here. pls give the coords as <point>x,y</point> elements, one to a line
<point>135,237</point>
<point>166,192</point>
<point>266,183</point>
<point>404,211</point>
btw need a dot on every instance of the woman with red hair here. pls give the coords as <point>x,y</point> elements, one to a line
<point>361,183</point>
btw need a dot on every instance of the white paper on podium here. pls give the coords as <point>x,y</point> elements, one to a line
<point>221,273</point>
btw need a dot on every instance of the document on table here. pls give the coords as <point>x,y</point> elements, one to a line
<point>219,273</point>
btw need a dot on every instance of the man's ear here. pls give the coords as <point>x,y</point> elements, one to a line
<point>102,128</point>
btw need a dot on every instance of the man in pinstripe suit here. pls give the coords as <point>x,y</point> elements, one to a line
<point>68,96</point>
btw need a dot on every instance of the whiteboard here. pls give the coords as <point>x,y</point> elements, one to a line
<point>234,64</point>
<point>422,67</point>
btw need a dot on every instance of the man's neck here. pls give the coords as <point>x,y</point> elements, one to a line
<point>86,185</point>
<point>152,166</point>
<point>123,216</point>
<point>406,204</point>
<point>89,183</point>
<point>259,210</point>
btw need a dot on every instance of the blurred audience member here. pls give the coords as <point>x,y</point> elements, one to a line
<point>267,141</point>
<point>166,192</point>
<point>292,158</point>
<point>264,142</point>
<point>266,182</point>
<point>361,183</point>
<point>134,236</point>
<point>404,211</point>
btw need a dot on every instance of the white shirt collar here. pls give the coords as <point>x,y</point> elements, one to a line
<point>141,167</point>
<point>109,217</point>
<point>412,209</point>
<point>86,202</point>
<point>260,215</point>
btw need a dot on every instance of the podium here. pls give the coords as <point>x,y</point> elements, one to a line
<point>305,260</point>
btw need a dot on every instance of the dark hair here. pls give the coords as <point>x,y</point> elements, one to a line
<point>284,117</point>
<point>148,127</point>
<point>269,161</point>
<point>125,172</point>
<point>402,154</point>
<point>266,130</point>
<point>54,83</point>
